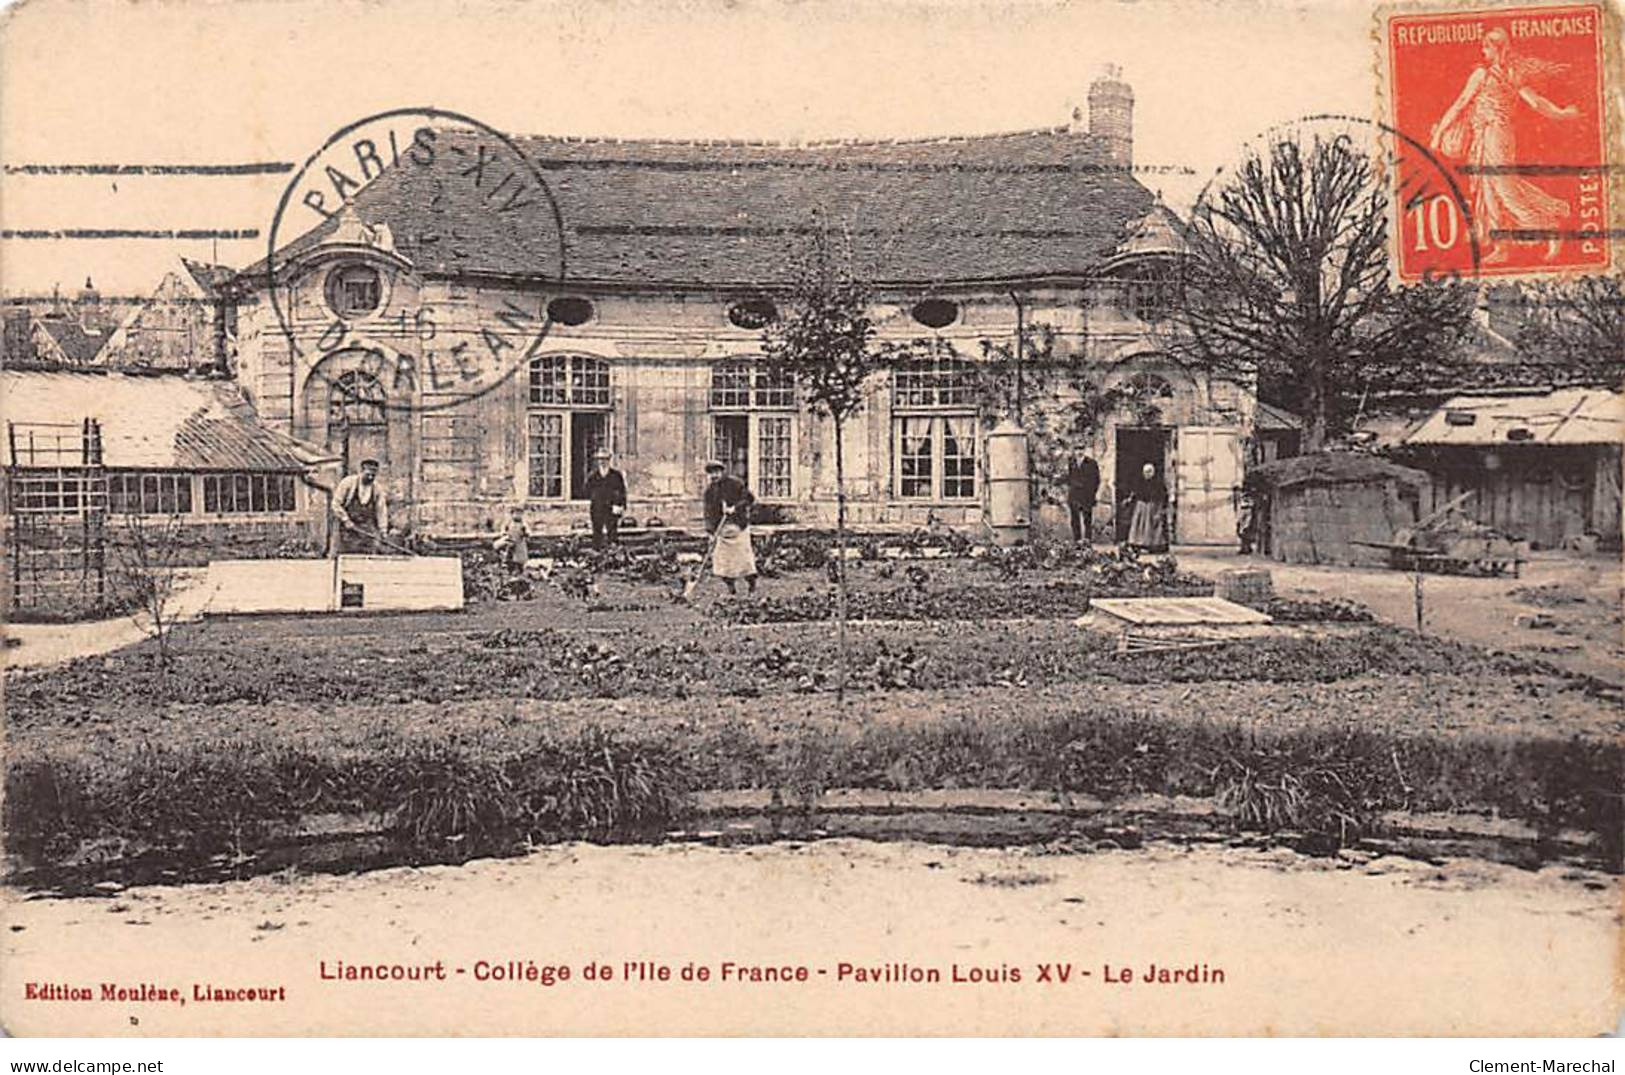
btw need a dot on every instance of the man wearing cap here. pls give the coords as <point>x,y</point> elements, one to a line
<point>360,511</point>
<point>606,489</point>
<point>727,516</point>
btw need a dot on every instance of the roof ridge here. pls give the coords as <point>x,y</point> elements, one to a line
<point>797,143</point>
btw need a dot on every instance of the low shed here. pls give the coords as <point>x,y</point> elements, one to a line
<point>1544,467</point>
<point>1316,508</point>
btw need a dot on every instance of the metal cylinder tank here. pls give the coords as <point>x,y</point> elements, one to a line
<point>1009,507</point>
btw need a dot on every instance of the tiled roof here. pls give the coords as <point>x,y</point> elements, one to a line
<point>79,345</point>
<point>208,278</point>
<point>994,207</point>
<point>158,421</point>
<point>1566,416</point>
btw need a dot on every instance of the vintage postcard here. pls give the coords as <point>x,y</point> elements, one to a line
<point>994,517</point>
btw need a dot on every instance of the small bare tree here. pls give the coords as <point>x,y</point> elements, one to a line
<point>145,574</point>
<point>1289,282</point>
<point>824,343</point>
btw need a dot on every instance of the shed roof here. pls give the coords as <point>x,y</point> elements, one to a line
<point>1564,416</point>
<point>1270,418</point>
<point>1333,468</point>
<point>162,421</point>
<point>1028,204</point>
<point>79,344</point>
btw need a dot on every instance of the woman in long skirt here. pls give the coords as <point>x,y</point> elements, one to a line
<point>1148,524</point>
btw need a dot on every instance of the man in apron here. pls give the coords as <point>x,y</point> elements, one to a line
<point>360,513</point>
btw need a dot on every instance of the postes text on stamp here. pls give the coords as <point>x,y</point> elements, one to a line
<point>1512,101</point>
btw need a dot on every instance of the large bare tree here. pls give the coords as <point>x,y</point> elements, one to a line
<point>1289,282</point>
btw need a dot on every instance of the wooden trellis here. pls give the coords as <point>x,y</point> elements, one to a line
<point>56,514</point>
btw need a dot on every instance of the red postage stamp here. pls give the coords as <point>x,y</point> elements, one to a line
<point>1510,103</point>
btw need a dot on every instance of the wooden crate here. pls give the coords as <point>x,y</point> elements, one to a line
<point>1251,586</point>
<point>401,583</point>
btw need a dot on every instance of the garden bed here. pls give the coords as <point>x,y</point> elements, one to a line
<point>626,663</point>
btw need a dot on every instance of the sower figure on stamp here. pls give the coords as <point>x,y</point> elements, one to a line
<point>360,511</point>
<point>1082,486</point>
<point>606,488</point>
<point>727,518</point>
<point>1480,126</point>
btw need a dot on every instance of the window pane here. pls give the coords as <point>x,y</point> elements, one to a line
<point>773,456</point>
<point>240,495</point>
<point>956,383</point>
<point>911,388</point>
<point>183,494</point>
<point>547,379</point>
<point>938,382</point>
<point>356,399</point>
<point>730,385</point>
<point>773,388</point>
<point>149,494</point>
<point>211,494</point>
<point>166,494</point>
<point>284,493</point>
<point>546,455</point>
<point>958,456</point>
<point>589,382</point>
<point>914,457</point>
<point>257,491</point>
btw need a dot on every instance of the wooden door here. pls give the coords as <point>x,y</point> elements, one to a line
<point>1207,475</point>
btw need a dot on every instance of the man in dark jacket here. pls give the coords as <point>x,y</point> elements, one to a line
<point>1082,485</point>
<point>606,489</point>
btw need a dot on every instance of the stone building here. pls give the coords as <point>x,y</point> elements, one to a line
<point>677,253</point>
<point>188,324</point>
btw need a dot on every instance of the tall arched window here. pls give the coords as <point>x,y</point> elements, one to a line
<point>569,419</point>
<point>357,419</point>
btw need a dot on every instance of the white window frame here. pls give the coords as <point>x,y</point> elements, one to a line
<point>922,403</point>
<point>565,409</point>
<point>755,413</point>
<point>939,429</point>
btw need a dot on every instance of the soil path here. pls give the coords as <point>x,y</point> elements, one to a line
<point>1306,946</point>
<point>31,645</point>
<point>1580,596</point>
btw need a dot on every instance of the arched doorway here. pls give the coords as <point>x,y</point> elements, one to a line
<point>1142,434</point>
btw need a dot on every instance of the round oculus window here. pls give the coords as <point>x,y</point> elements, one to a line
<point>753,313</point>
<point>936,313</point>
<point>569,310</point>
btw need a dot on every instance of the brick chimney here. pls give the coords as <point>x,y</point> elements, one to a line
<point>1111,115</point>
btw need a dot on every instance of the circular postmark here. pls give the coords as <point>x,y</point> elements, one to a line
<point>1417,184</point>
<point>411,258</point>
<point>1294,251</point>
<point>1312,212</point>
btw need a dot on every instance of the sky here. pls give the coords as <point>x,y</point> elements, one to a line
<point>244,81</point>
